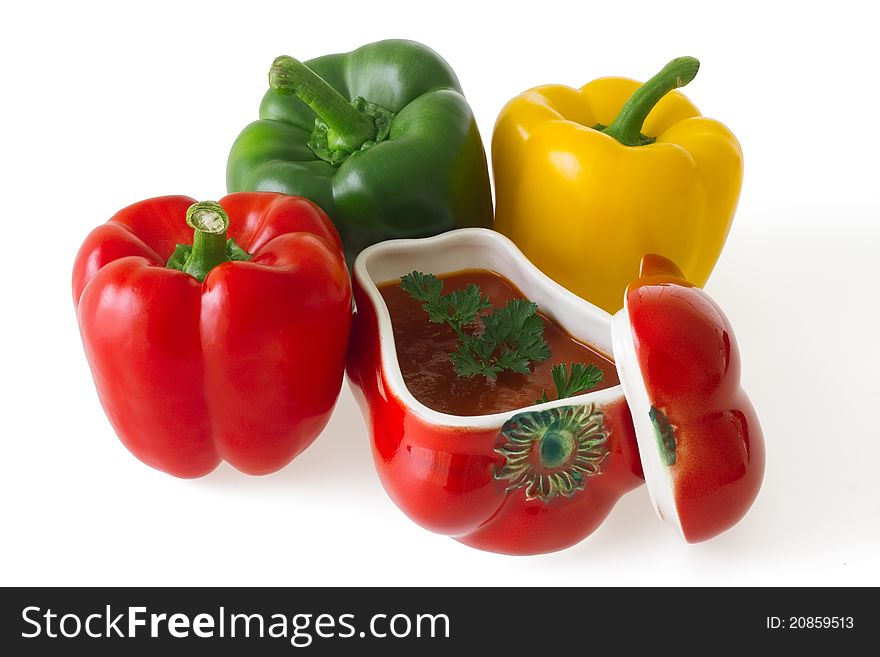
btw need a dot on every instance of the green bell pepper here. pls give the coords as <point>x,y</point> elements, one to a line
<point>381,138</point>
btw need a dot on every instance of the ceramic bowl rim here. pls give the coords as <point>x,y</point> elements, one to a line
<point>388,351</point>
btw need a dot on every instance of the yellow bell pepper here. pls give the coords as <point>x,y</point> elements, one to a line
<point>589,180</point>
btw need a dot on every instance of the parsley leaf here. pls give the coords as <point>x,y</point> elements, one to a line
<point>426,289</point>
<point>568,384</point>
<point>518,332</point>
<point>463,306</point>
<point>511,339</point>
<point>456,308</point>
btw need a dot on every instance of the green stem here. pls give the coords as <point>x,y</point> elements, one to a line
<point>209,222</point>
<point>348,128</point>
<point>627,125</point>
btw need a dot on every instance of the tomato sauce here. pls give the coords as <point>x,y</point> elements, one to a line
<point>423,351</point>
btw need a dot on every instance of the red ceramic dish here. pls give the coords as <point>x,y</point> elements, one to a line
<point>528,481</point>
<point>699,437</point>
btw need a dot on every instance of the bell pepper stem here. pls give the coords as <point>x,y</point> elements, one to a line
<point>209,222</point>
<point>627,125</point>
<point>348,127</point>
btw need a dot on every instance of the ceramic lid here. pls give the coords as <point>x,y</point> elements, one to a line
<point>699,439</point>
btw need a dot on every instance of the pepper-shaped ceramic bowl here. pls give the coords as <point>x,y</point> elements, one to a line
<point>532,480</point>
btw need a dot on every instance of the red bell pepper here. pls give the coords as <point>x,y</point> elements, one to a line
<point>220,350</point>
<point>700,441</point>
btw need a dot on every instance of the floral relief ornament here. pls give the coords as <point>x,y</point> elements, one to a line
<point>553,452</point>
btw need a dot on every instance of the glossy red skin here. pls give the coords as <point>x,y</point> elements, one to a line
<point>246,366</point>
<point>442,477</point>
<point>690,364</point>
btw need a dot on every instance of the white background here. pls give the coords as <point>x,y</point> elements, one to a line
<point>106,105</point>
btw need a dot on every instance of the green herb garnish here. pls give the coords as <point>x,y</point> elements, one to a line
<point>509,338</point>
<point>568,384</point>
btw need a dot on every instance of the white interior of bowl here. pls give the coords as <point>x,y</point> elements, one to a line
<point>478,248</point>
